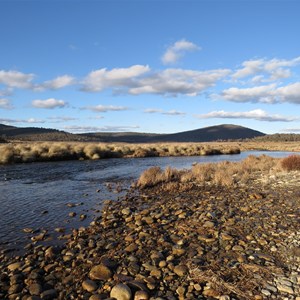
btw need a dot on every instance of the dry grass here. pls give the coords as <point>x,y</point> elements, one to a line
<point>224,173</point>
<point>52,151</point>
<point>291,163</point>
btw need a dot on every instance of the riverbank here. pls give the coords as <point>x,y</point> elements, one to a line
<point>175,240</point>
<point>27,152</point>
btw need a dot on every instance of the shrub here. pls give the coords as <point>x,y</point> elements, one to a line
<point>291,163</point>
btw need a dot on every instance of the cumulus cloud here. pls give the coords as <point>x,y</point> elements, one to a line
<point>265,94</point>
<point>81,129</point>
<point>57,83</point>
<point>5,104</point>
<point>15,79</point>
<point>105,108</point>
<point>274,68</point>
<point>152,111</point>
<point>256,114</point>
<point>118,78</point>
<point>177,50</point>
<point>49,103</point>
<point>174,82</point>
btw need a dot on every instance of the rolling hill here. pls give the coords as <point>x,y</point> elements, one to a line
<point>207,134</point>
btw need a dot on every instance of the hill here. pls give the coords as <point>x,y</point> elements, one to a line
<point>207,134</point>
<point>37,134</point>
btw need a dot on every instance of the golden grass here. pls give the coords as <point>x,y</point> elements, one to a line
<point>223,173</point>
<point>50,151</point>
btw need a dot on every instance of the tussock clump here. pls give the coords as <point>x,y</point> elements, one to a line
<point>291,163</point>
<point>156,175</point>
<point>224,173</point>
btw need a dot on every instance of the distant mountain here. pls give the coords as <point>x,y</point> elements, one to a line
<point>207,134</point>
<point>37,134</point>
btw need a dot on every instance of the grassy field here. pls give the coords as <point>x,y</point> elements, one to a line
<point>22,152</point>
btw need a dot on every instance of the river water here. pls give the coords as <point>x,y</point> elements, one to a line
<point>37,195</point>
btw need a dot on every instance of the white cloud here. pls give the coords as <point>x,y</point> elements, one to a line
<point>61,119</point>
<point>291,130</point>
<point>49,103</point>
<point>264,94</point>
<point>103,108</point>
<point>5,104</point>
<point>57,83</point>
<point>15,79</point>
<point>174,82</point>
<point>118,78</point>
<point>174,113</point>
<point>26,121</point>
<point>274,68</point>
<point>177,50</point>
<point>290,93</point>
<point>82,129</point>
<point>160,111</point>
<point>257,114</point>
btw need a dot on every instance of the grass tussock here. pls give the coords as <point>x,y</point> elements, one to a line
<point>291,163</point>
<point>53,151</point>
<point>224,173</point>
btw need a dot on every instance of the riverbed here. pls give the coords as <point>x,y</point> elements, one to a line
<point>70,194</point>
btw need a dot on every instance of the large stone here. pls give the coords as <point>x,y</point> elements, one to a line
<point>100,272</point>
<point>89,285</point>
<point>121,292</point>
<point>35,289</point>
<point>181,270</point>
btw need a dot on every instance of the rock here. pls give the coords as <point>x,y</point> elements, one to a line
<point>14,266</point>
<point>121,292</point>
<point>100,272</point>
<point>35,289</point>
<point>285,288</point>
<point>89,285</point>
<point>49,294</point>
<point>141,295</point>
<point>131,248</point>
<point>181,270</point>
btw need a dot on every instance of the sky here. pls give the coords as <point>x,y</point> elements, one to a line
<point>157,66</point>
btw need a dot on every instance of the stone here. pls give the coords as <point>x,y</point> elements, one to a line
<point>181,270</point>
<point>285,288</point>
<point>14,266</point>
<point>141,295</point>
<point>121,292</point>
<point>131,248</point>
<point>35,289</point>
<point>100,272</point>
<point>89,285</point>
<point>49,294</point>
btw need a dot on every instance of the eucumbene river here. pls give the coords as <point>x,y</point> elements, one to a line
<point>69,194</point>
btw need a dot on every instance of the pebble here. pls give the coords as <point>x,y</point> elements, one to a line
<point>100,272</point>
<point>121,292</point>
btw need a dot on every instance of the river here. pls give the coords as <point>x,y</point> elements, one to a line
<point>37,195</point>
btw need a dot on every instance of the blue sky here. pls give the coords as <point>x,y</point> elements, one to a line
<point>150,66</point>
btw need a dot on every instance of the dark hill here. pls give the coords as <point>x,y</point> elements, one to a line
<point>207,134</point>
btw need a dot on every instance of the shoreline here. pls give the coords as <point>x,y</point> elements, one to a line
<point>28,152</point>
<point>175,241</point>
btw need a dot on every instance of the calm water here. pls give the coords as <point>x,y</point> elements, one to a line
<point>36,195</point>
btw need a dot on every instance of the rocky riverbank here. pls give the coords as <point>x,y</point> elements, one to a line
<point>174,241</point>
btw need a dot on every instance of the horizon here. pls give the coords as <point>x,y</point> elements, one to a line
<point>150,66</point>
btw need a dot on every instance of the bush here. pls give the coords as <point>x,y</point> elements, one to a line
<point>291,163</point>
